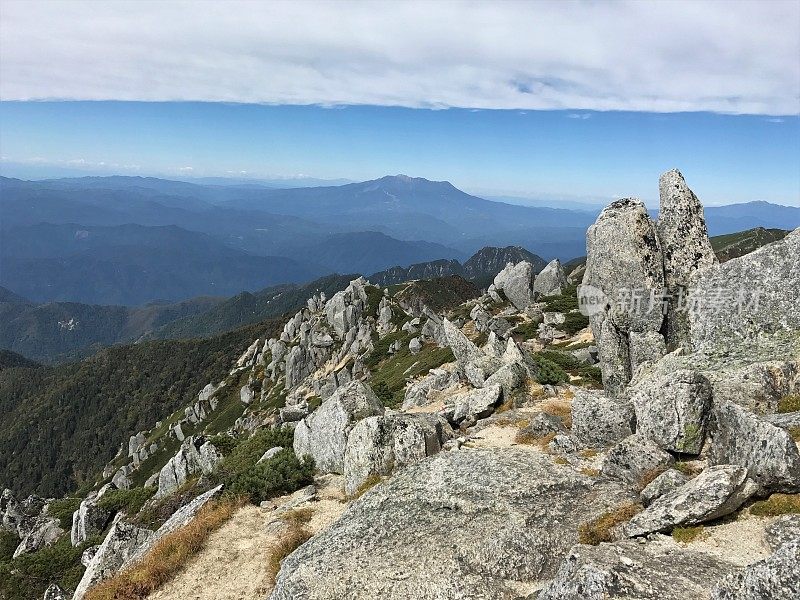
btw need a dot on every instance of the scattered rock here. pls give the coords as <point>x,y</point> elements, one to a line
<point>599,421</point>
<point>54,592</point>
<point>672,409</point>
<point>473,405</point>
<point>463,349</point>
<point>196,455</point>
<point>379,445</point>
<point>323,434</point>
<point>415,345</point>
<point>663,484</point>
<point>269,454</point>
<point>716,492</point>
<point>90,519</point>
<point>634,457</point>
<point>551,281</point>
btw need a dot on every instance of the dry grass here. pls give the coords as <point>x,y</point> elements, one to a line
<point>370,483</point>
<point>789,404</point>
<point>795,433</point>
<point>560,460</point>
<point>167,557</point>
<point>686,535</point>
<point>559,408</point>
<point>289,540</point>
<point>589,453</point>
<point>590,472</point>
<point>648,477</point>
<point>298,516</point>
<point>505,406</point>
<point>527,438</point>
<point>601,529</point>
<point>777,504</point>
<point>690,469</point>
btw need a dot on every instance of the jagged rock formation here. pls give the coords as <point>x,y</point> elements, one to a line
<point>551,281</point>
<point>515,282</point>
<point>90,519</point>
<point>774,577</point>
<point>196,455</point>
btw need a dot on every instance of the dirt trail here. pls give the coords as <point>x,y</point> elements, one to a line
<point>232,565</point>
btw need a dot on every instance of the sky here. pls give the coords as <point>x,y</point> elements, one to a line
<point>559,100</point>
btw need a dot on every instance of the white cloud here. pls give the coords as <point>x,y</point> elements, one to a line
<point>185,169</point>
<point>736,57</point>
<point>581,116</point>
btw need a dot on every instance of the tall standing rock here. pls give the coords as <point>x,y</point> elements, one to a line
<point>625,264</point>
<point>684,242</point>
<point>551,281</point>
<point>515,282</point>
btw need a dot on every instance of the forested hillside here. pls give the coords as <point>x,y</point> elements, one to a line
<point>63,424</point>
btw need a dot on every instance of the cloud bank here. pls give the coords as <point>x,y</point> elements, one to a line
<point>729,57</point>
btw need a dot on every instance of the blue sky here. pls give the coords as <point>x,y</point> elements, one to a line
<point>559,100</point>
<point>545,154</point>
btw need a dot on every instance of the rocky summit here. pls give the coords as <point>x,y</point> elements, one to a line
<point>627,429</point>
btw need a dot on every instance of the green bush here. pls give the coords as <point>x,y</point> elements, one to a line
<point>528,329</point>
<point>574,322</point>
<point>224,443</point>
<point>374,296</point>
<point>62,510</point>
<point>128,501</point>
<point>281,474</point>
<point>562,303</point>
<point>383,392</point>
<point>8,543</point>
<point>29,575</point>
<point>248,451</point>
<point>549,373</point>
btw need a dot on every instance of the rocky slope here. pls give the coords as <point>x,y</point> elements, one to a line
<point>476,449</point>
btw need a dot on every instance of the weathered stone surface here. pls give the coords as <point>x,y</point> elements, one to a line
<point>459,525</point>
<point>88,554</point>
<point>551,281</point>
<point>684,241</point>
<point>757,386</point>
<point>614,356</point>
<point>379,445</point>
<point>598,421</point>
<point>634,571</point>
<point>121,541</point>
<point>673,409</point>
<point>515,282</point>
<point>771,274</point>
<point>645,347</point>
<point>663,484</point>
<point>716,492</point>
<point>543,424</point>
<point>90,519</point>
<point>777,576</point>
<point>323,434</point>
<point>475,404</point>
<point>415,345</point>
<point>43,532</point>
<point>344,308</point>
<point>769,453</point>
<point>196,455</point>
<point>269,454</point>
<point>634,457</point>
<point>478,370</point>
<point>463,349</point>
<point>785,529</point>
<point>418,392</point>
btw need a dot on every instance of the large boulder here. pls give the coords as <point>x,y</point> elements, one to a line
<point>744,298</point>
<point>716,492</point>
<point>322,435</point>
<point>768,452</point>
<point>634,571</point>
<point>90,519</point>
<point>599,421</point>
<point>515,281</point>
<point>663,484</point>
<point>785,529</point>
<point>551,281</point>
<point>623,289</point>
<point>195,456</point>
<point>379,445</point>
<point>418,393</point>
<point>757,386</point>
<point>473,404</point>
<point>122,540</point>
<point>777,576</point>
<point>43,532</point>
<point>635,457</point>
<point>463,349</point>
<point>672,409</point>
<point>685,245</point>
<point>459,525</point>
<point>344,309</point>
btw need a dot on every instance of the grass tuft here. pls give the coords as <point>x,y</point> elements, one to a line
<point>686,535</point>
<point>368,484</point>
<point>601,528</point>
<point>293,536</point>
<point>777,504</point>
<point>789,404</point>
<point>559,408</point>
<point>648,477</point>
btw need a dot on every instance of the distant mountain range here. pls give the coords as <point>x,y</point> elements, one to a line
<point>132,240</point>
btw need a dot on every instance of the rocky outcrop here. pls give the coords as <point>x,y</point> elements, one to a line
<point>90,519</point>
<point>634,571</point>
<point>673,409</point>
<point>54,592</point>
<point>44,531</point>
<point>599,421</point>
<point>480,521</point>
<point>463,349</point>
<point>777,576</point>
<point>747,297</point>
<point>379,445</point>
<point>344,309</point>
<point>515,282</point>
<point>418,393</point>
<point>196,455</point>
<point>634,457</point>
<point>472,405</point>
<point>119,544</point>
<point>686,248</point>
<point>768,452</point>
<point>716,492</point>
<point>624,264</point>
<point>785,529</point>
<point>323,434</point>
<point>551,281</point>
